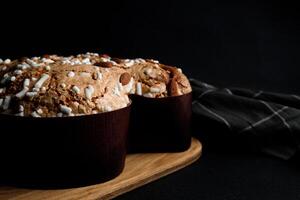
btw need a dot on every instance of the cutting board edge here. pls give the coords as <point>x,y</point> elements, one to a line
<point>156,176</point>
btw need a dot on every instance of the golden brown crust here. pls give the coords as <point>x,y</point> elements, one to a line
<point>89,83</point>
<point>179,83</point>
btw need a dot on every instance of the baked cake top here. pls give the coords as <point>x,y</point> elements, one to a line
<point>56,86</point>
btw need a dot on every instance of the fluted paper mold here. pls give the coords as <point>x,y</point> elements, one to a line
<point>160,124</point>
<point>63,152</point>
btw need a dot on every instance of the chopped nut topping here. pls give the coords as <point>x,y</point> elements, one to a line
<point>44,87</point>
<point>125,78</point>
<point>104,64</point>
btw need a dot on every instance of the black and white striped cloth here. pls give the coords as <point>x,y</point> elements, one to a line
<point>270,121</point>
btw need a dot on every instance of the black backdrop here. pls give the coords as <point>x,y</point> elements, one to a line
<point>228,44</point>
<point>254,45</point>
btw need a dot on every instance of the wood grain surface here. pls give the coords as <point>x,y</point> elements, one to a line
<point>139,170</point>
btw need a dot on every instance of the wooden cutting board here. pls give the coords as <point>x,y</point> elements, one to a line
<point>139,170</point>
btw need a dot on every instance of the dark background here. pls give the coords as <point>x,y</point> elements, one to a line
<point>250,44</point>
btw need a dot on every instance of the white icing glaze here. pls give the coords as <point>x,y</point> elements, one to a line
<point>7,61</point>
<point>154,90</point>
<point>71,74</point>
<point>5,79</point>
<point>109,102</point>
<point>21,114</point>
<point>23,66</point>
<point>120,86</point>
<point>18,72</point>
<point>6,102</point>
<point>155,61</point>
<point>76,89</point>
<point>21,108</point>
<point>41,81</point>
<point>46,60</point>
<point>99,75</point>
<point>65,109</point>
<point>129,63</point>
<point>94,112</point>
<point>102,59</point>
<point>86,61</point>
<point>116,90</point>
<point>139,60</point>
<point>35,89</point>
<point>48,68</point>
<point>129,86</point>
<point>2,90</point>
<point>148,95</point>
<point>139,88</point>
<point>148,71</point>
<point>85,74</point>
<point>22,93</point>
<point>89,90</point>
<point>39,111</point>
<point>113,62</point>
<point>13,78</point>
<point>26,82</point>
<point>31,94</point>
<point>36,65</point>
<point>107,108</point>
<point>35,114</point>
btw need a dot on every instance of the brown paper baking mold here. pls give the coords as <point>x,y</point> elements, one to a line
<point>63,152</point>
<point>160,124</point>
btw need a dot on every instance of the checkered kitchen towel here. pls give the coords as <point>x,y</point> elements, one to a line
<point>270,121</point>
